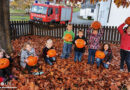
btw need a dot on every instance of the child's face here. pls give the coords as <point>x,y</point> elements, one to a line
<point>49,45</point>
<point>1,54</point>
<point>28,47</point>
<point>95,32</point>
<point>128,30</point>
<point>80,34</point>
<point>106,47</point>
<point>69,27</point>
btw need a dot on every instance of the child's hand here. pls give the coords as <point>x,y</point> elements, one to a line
<point>56,54</point>
<point>70,40</point>
<point>108,62</point>
<point>47,56</point>
<point>85,43</point>
<point>7,56</point>
<point>26,60</point>
<point>37,57</point>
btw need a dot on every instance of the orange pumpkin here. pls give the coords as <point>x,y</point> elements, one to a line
<point>100,54</point>
<point>51,53</point>
<point>96,25</point>
<point>127,21</point>
<point>4,63</point>
<point>68,37</point>
<point>32,60</point>
<point>80,43</point>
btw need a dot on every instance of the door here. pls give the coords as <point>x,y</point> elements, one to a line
<point>50,14</point>
<point>57,14</point>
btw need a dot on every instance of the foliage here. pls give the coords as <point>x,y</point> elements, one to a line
<point>124,3</point>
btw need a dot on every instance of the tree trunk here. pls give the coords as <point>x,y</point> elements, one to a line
<point>5,42</point>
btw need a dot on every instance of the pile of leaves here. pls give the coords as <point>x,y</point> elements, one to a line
<point>66,74</point>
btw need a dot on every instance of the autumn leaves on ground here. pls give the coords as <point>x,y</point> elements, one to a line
<point>65,74</point>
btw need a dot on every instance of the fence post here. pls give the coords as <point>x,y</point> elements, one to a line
<point>31,27</point>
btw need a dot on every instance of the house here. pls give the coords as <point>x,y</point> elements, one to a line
<point>87,10</point>
<point>109,14</point>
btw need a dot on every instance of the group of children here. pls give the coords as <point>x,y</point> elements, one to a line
<point>93,45</point>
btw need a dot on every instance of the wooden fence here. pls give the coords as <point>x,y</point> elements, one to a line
<point>22,28</point>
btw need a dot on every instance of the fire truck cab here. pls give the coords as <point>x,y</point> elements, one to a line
<point>51,13</point>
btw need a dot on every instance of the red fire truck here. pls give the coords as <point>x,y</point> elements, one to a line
<point>51,13</point>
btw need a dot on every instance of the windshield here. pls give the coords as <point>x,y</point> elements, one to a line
<point>39,9</point>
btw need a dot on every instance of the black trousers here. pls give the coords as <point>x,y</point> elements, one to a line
<point>5,72</point>
<point>125,57</point>
<point>29,68</point>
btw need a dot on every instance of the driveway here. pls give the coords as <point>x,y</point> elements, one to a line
<point>77,20</point>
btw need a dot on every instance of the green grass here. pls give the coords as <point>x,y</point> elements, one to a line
<point>76,9</point>
<point>17,11</point>
<point>19,18</point>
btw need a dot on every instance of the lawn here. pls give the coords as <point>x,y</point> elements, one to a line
<point>17,11</point>
<point>76,10</point>
<point>19,18</point>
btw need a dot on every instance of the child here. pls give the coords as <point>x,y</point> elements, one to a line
<point>94,39</point>
<point>6,73</point>
<point>79,51</point>
<point>108,56</point>
<point>48,59</point>
<point>67,44</point>
<point>27,51</point>
<point>124,46</point>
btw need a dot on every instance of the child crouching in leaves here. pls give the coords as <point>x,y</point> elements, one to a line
<point>108,56</point>
<point>79,51</point>
<point>49,45</point>
<point>5,73</point>
<point>27,51</point>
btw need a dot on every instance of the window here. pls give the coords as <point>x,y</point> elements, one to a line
<point>56,11</point>
<point>39,9</point>
<point>92,10</point>
<point>50,11</point>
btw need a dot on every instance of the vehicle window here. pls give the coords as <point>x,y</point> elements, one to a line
<point>56,11</point>
<point>92,10</point>
<point>39,9</point>
<point>50,11</point>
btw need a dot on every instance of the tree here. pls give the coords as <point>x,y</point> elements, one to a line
<point>13,4</point>
<point>124,3</point>
<point>5,42</point>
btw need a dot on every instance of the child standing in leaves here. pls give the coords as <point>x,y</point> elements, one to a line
<point>27,51</point>
<point>67,43</point>
<point>5,74</point>
<point>79,51</point>
<point>46,57</point>
<point>108,56</point>
<point>94,39</point>
<point>125,45</point>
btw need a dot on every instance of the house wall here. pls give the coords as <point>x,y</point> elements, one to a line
<point>101,12</point>
<point>118,15</point>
